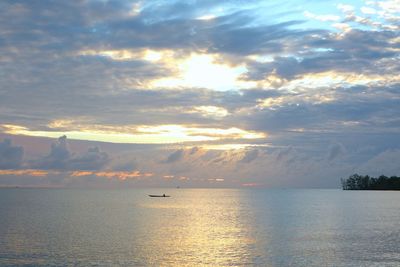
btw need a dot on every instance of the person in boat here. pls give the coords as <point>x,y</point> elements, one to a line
<point>163,195</point>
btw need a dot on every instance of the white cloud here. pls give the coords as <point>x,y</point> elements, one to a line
<point>326,17</point>
<point>345,8</point>
<point>368,10</point>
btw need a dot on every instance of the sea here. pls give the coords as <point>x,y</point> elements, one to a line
<point>199,227</point>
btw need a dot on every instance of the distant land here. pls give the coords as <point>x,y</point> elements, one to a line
<point>360,182</point>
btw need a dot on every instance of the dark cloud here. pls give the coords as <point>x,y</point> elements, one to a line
<point>61,158</point>
<point>174,156</point>
<point>66,27</point>
<point>365,108</point>
<point>59,154</point>
<point>93,159</point>
<point>123,163</point>
<point>10,156</point>
<point>289,116</point>
<point>249,156</point>
<point>336,150</point>
<point>282,153</point>
<point>194,150</point>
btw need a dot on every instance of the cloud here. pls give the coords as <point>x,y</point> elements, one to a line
<point>249,156</point>
<point>123,162</point>
<point>280,166</point>
<point>336,150</point>
<point>10,156</point>
<point>59,154</point>
<point>316,94</point>
<point>60,158</point>
<point>385,163</point>
<point>174,156</point>
<point>296,53</point>
<point>93,159</point>
<point>283,153</point>
<point>357,51</point>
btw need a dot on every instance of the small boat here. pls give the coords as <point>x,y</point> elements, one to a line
<point>164,195</point>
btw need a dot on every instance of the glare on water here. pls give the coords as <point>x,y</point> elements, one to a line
<point>199,227</point>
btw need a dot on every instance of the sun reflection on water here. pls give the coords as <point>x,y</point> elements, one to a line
<point>198,227</point>
<point>201,230</point>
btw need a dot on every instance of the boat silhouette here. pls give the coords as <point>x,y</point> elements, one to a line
<point>163,195</point>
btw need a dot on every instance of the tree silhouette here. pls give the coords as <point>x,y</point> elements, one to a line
<point>360,182</point>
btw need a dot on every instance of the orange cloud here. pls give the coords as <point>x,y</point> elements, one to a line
<point>122,175</point>
<point>29,172</point>
<point>81,173</point>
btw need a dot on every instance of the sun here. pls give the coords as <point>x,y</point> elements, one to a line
<point>203,71</point>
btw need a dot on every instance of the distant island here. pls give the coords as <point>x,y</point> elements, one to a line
<point>360,182</point>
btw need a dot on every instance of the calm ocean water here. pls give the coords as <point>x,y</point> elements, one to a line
<point>197,227</point>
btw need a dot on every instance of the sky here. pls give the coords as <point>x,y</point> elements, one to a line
<point>120,93</point>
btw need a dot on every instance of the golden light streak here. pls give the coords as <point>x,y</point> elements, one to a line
<point>201,133</point>
<point>142,134</point>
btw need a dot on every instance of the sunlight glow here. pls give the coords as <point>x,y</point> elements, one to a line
<point>314,97</point>
<point>210,111</point>
<point>207,17</point>
<point>130,54</point>
<point>143,134</point>
<point>231,146</point>
<point>152,55</point>
<point>136,9</point>
<point>326,17</point>
<point>194,70</point>
<point>331,79</point>
<point>118,55</point>
<point>203,70</point>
